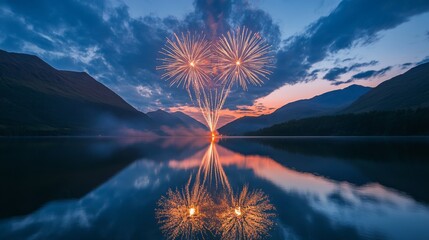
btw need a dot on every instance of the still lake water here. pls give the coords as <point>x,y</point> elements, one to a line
<point>298,188</point>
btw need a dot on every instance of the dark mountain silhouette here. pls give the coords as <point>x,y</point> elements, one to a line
<point>324,104</point>
<point>190,121</point>
<point>378,123</point>
<point>408,90</point>
<point>37,99</point>
<point>175,120</point>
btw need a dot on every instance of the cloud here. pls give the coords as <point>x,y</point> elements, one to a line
<point>406,65</point>
<point>335,73</point>
<point>371,73</point>
<point>424,60</point>
<point>365,75</point>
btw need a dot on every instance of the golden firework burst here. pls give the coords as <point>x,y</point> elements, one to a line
<point>186,61</point>
<point>243,57</point>
<point>246,216</point>
<point>185,214</point>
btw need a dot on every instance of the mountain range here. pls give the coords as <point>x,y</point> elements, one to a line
<point>399,106</point>
<point>324,104</point>
<point>405,91</point>
<point>37,99</point>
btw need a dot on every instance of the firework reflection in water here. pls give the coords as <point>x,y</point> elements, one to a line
<point>195,213</point>
<point>211,171</point>
<point>184,214</point>
<point>248,215</point>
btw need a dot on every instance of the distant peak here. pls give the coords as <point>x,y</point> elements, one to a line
<point>355,86</point>
<point>159,111</point>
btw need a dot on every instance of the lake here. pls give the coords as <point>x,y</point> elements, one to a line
<point>229,188</point>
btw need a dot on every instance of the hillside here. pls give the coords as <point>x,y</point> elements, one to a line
<point>377,123</point>
<point>190,121</point>
<point>37,99</point>
<point>175,120</point>
<point>324,104</point>
<point>408,90</point>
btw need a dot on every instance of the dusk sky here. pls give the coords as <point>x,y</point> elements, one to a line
<point>320,45</point>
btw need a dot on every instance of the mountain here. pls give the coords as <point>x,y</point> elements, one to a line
<point>408,90</point>
<point>175,120</point>
<point>405,122</point>
<point>327,103</point>
<point>37,99</point>
<point>190,121</point>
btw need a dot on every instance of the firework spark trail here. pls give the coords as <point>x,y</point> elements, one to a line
<point>210,104</point>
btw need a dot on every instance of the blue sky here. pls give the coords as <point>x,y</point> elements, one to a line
<point>320,45</point>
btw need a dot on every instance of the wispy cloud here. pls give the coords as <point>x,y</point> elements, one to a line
<point>365,75</point>
<point>335,73</point>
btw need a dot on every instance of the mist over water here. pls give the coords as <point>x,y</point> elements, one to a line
<point>110,188</point>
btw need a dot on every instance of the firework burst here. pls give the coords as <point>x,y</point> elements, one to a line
<point>184,214</point>
<point>243,57</point>
<point>246,216</point>
<point>208,70</point>
<point>186,62</point>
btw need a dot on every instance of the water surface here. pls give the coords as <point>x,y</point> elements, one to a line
<point>111,188</point>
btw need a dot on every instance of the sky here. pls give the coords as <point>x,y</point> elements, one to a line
<point>319,45</point>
